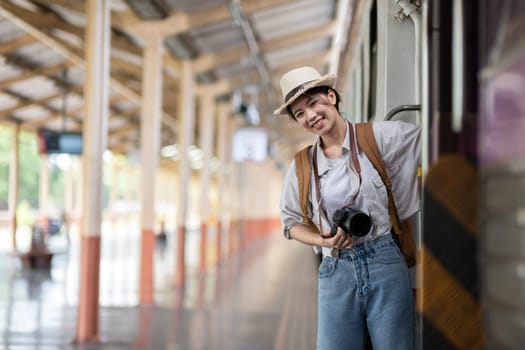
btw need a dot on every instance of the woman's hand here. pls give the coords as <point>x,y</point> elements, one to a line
<point>341,240</point>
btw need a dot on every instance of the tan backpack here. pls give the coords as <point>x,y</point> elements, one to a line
<point>367,143</point>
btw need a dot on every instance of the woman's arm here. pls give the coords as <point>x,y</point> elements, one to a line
<point>306,235</point>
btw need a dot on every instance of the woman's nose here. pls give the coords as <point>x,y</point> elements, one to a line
<point>310,113</point>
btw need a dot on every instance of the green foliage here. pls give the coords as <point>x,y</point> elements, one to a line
<point>24,214</point>
<point>29,169</point>
<point>56,185</point>
<point>29,172</point>
<point>5,144</point>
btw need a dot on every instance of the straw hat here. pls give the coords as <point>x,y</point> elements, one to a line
<point>297,81</point>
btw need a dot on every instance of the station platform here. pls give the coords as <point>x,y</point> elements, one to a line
<point>262,297</point>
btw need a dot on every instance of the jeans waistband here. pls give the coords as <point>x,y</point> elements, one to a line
<point>363,249</point>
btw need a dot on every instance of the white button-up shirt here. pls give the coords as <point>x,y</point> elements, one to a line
<point>399,145</point>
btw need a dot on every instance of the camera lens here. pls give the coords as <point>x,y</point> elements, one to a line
<point>352,221</point>
<point>360,224</point>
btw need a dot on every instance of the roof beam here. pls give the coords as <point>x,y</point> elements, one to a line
<point>70,115</point>
<point>320,58</point>
<point>129,113</point>
<point>215,89</point>
<point>298,38</point>
<point>41,102</point>
<point>209,61</point>
<point>123,130</point>
<point>76,6</point>
<point>222,13</point>
<point>22,18</point>
<point>181,22</point>
<point>125,65</point>
<point>176,23</point>
<point>50,20</point>
<point>16,43</point>
<point>10,12</point>
<point>29,74</point>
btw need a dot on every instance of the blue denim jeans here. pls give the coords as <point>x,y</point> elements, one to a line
<point>368,286</point>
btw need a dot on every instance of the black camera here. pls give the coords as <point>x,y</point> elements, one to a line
<point>353,222</point>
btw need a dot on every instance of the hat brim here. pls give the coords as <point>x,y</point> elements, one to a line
<point>326,80</point>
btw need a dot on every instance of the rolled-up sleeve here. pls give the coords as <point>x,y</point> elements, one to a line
<point>289,203</point>
<point>401,150</point>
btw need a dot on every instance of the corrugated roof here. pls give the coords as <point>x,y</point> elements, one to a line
<point>238,42</point>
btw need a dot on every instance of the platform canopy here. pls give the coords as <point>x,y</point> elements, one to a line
<point>238,51</point>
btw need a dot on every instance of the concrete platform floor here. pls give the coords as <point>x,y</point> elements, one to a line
<point>263,297</point>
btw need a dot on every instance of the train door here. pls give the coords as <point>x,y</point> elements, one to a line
<point>449,297</point>
<point>502,172</point>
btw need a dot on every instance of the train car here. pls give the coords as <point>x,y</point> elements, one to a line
<point>502,172</point>
<point>455,68</point>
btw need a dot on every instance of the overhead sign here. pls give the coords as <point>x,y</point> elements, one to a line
<point>250,145</point>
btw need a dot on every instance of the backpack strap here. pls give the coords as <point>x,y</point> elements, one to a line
<point>303,171</point>
<point>367,143</point>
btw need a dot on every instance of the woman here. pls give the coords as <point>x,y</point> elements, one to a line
<point>363,282</point>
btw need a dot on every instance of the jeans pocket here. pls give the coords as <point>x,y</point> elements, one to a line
<point>327,267</point>
<point>388,254</point>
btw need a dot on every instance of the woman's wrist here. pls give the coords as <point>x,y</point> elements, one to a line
<point>323,241</point>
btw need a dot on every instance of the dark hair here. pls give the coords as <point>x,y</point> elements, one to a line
<point>317,90</point>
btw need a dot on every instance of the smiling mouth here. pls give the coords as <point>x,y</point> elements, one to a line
<point>316,123</point>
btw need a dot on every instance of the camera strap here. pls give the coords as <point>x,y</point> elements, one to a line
<point>357,166</point>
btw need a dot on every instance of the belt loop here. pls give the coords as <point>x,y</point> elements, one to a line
<point>335,253</point>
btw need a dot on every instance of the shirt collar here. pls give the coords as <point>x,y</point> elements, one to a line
<point>322,161</point>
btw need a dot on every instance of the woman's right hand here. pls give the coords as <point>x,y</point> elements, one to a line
<point>341,240</point>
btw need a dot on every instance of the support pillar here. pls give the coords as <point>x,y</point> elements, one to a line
<point>222,149</point>
<point>207,125</point>
<point>185,136</point>
<point>233,185</point>
<point>96,92</point>
<point>149,150</point>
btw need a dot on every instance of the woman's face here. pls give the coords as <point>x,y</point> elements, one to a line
<point>316,112</point>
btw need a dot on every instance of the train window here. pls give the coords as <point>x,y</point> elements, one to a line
<point>507,19</point>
